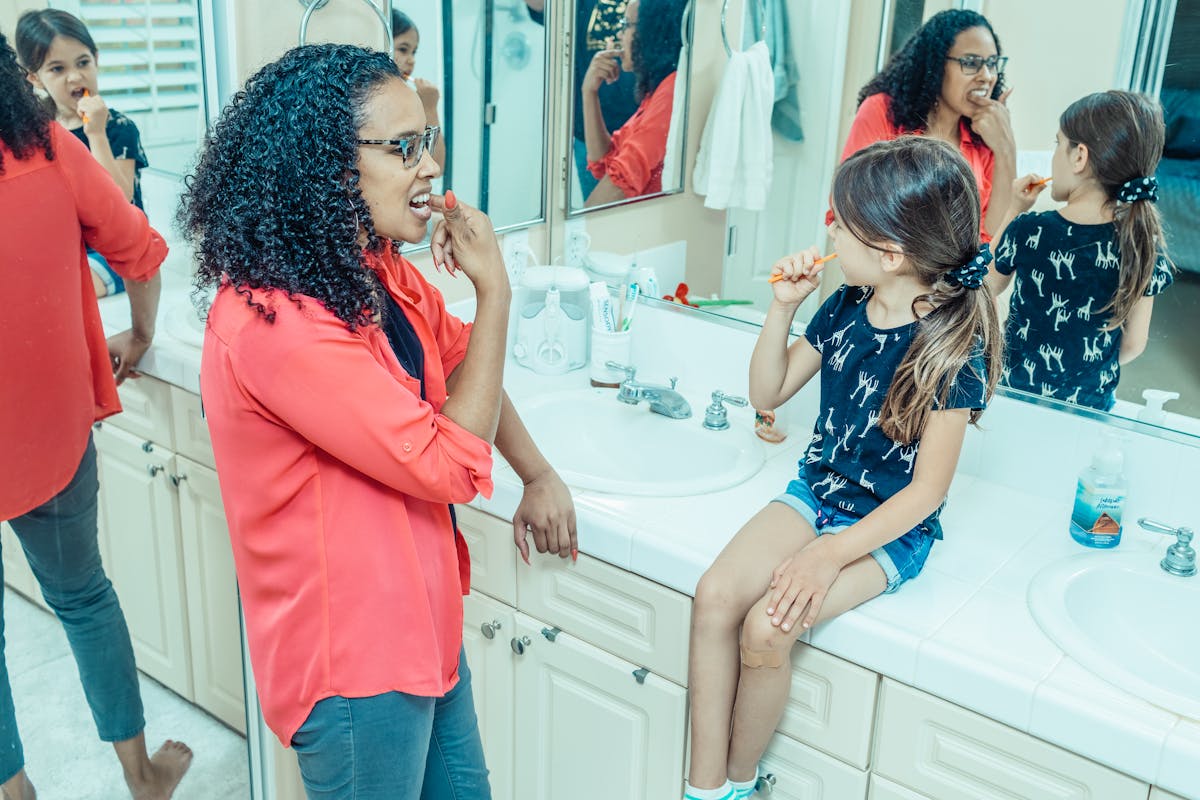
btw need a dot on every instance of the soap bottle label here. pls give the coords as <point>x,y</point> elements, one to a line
<point>1096,518</point>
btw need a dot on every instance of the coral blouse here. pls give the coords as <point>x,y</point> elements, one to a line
<point>336,476</point>
<point>872,124</point>
<point>57,377</point>
<point>634,161</point>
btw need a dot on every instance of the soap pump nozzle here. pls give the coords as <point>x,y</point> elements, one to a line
<point>1153,412</point>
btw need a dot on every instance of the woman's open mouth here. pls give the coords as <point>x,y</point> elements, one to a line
<point>419,206</point>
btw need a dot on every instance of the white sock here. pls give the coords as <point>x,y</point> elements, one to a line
<point>744,788</point>
<point>724,792</point>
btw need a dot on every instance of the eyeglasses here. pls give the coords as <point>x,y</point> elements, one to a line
<point>411,148</point>
<point>972,64</point>
<point>625,24</point>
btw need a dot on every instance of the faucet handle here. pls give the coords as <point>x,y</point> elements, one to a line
<point>715,417</point>
<point>1181,557</point>
<point>629,371</point>
<point>733,400</point>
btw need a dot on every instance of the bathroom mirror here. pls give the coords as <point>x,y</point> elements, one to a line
<point>629,74</point>
<point>1148,46</point>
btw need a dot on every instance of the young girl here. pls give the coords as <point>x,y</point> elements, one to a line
<point>60,56</point>
<point>1087,273</point>
<point>908,353</point>
<point>406,39</point>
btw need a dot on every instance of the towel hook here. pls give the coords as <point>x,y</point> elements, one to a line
<point>383,13</point>
<point>762,6</point>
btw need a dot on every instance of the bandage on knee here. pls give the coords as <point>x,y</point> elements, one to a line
<point>760,659</point>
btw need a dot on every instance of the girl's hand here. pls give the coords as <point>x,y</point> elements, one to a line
<point>605,68</point>
<point>991,121</point>
<point>1026,190</point>
<point>95,111</point>
<point>464,239</point>
<point>428,93</point>
<point>799,585</point>
<point>801,276</point>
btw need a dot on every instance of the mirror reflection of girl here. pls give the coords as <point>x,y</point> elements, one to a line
<point>406,39</point>
<point>61,58</point>
<point>629,162</point>
<point>1085,275</point>
<point>947,82</point>
<point>908,354</point>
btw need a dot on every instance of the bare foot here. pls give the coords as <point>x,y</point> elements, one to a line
<point>167,768</point>
<point>18,788</point>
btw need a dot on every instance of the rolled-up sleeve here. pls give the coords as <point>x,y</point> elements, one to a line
<point>640,146</point>
<point>324,382</point>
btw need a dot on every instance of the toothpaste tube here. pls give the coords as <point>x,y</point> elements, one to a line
<point>604,317</point>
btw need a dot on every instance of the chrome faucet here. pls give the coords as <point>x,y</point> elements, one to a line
<point>662,399</point>
<point>1181,557</point>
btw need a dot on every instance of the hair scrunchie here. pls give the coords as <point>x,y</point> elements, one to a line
<point>1139,189</point>
<point>971,274</point>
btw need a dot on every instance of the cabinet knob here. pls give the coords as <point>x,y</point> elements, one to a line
<point>765,784</point>
<point>153,469</point>
<point>147,447</point>
<point>177,479</point>
<point>518,645</point>
<point>550,633</point>
<point>488,629</point>
<point>640,674</point>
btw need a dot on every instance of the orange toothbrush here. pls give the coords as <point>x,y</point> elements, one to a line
<point>821,260</point>
<point>1042,182</point>
<point>84,116</point>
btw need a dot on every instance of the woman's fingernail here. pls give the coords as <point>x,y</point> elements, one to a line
<point>770,611</point>
<point>574,554</point>
<point>451,200</point>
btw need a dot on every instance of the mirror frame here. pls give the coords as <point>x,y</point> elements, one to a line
<point>688,27</point>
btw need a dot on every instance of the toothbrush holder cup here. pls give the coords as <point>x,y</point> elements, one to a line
<point>609,346</point>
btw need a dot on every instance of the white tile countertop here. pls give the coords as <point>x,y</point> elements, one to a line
<point>962,630</point>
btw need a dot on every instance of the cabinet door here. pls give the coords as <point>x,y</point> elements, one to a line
<point>493,554</point>
<point>212,599</point>
<point>587,729</point>
<point>883,789</point>
<point>140,545</point>
<point>1158,794</point>
<point>17,574</point>
<point>800,773</point>
<point>487,628</point>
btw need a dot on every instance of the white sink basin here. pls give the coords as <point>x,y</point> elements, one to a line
<point>1127,622</point>
<point>183,322</point>
<point>596,442</point>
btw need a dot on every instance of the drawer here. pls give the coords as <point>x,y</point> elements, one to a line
<point>625,614</point>
<point>191,429</point>
<point>493,554</point>
<point>1158,794</point>
<point>948,753</point>
<point>801,773</point>
<point>883,789</point>
<point>147,410</point>
<point>831,705</point>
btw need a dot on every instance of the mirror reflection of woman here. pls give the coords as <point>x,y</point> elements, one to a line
<point>406,40</point>
<point>348,410</point>
<point>629,162</point>
<point>947,82</point>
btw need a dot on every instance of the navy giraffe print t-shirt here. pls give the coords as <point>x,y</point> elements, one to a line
<point>850,463</point>
<point>1056,345</point>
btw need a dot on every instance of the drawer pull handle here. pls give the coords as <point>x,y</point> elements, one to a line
<point>766,783</point>
<point>177,479</point>
<point>640,674</point>
<point>551,633</point>
<point>153,469</point>
<point>518,645</point>
<point>147,447</point>
<point>488,629</point>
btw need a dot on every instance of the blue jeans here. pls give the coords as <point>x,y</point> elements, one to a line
<point>59,540</point>
<point>900,559</point>
<point>394,746</point>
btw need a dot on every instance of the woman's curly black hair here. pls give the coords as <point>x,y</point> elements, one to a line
<point>274,202</point>
<point>656,43</point>
<point>24,121</point>
<point>913,76</point>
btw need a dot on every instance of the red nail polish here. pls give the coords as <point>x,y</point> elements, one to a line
<point>574,554</point>
<point>451,200</point>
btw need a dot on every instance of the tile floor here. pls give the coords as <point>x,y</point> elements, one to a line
<point>62,754</point>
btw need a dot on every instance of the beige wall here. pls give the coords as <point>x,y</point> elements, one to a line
<point>10,10</point>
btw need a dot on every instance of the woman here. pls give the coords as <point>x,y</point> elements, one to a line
<point>348,410</point>
<point>629,163</point>
<point>55,200</point>
<point>947,82</point>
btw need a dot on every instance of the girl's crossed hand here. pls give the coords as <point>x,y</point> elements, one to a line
<point>800,584</point>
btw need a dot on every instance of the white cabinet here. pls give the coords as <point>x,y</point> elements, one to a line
<point>831,705</point>
<point>947,753</point>
<point>1159,794</point>
<point>591,726</point>
<point>883,789</point>
<point>488,627</point>
<point>141,547</point>
<point>799,772</point>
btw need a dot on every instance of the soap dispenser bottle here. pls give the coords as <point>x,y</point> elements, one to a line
<point>1153,412</point>
<point>1100,496</point>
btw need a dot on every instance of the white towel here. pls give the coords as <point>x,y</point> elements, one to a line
<point>672,171</point>
<point>734,166</point>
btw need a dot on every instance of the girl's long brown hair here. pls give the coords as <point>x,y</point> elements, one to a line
<point>920,194</point>
<point>1125,135</point>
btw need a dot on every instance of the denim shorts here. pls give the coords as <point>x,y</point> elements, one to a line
<point>901,559</point>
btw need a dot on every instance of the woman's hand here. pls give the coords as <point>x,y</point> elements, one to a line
<point>428,93</point>
<point>991,121</point>
<point>548,512</point>
<point>464,239</point>
<point>94,111</point>
<point>799,586</point>
<point>125,350</point>
<point>1025,192</point>
<point>800,276</point>
<point>605,68</point>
